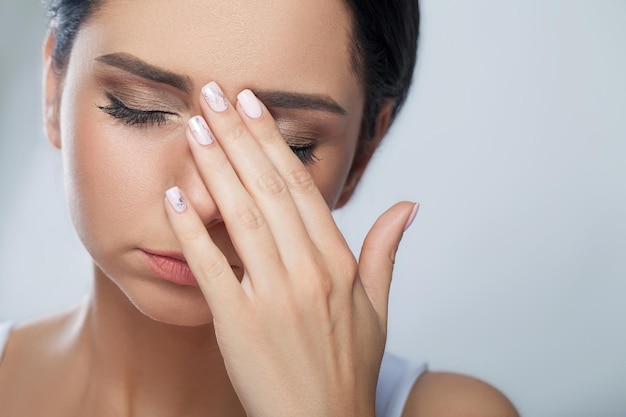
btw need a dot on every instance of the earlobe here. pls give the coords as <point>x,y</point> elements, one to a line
<point>51,93</point>
<point>365,151</point>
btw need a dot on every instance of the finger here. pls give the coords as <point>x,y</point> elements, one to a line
<point>208,264</point>
<point>310,203</point>
<point>247,226</point>
<point>379,252</point>
<point>256,172</point>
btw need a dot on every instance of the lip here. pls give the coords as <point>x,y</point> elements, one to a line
<point>170,266</point>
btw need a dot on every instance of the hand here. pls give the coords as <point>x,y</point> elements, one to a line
<point>304,332</point>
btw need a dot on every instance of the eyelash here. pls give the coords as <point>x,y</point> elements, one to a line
<point>134,117</point>
<point>305,153</point>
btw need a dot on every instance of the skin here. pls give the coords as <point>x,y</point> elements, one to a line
<point>279,297</point>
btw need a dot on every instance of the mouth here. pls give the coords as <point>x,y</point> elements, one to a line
<point>170,266</point>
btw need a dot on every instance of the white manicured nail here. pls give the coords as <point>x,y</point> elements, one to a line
<point>176,199</point>
<point>200,130</point>
<point>215,97</point>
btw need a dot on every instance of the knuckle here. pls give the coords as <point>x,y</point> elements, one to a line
<point>316,293</point>
<point>349,267</point>
<point>275,137</point>
<point>324,287</point>
<point>219,163</point>
<point>318,285</point>
<point>211,266</point>
<point>248,217</point>
<point>271,138</point>
<point>346,267</point>
<point>237,132</point>
<point>192,235</point>
<point>272,183</point>
<point>300,181</point>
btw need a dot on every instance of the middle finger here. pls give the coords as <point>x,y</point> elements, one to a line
<point>255,171</point>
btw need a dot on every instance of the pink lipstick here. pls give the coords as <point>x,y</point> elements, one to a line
<point>170,266</point>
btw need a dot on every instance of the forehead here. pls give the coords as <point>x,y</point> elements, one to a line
<point>299,45</point>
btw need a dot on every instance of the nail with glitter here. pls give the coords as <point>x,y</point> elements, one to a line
<point>176,199</point>
<point>215,97</point>
<point>200,130</point>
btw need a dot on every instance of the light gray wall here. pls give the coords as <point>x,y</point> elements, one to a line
<point>513,140</point>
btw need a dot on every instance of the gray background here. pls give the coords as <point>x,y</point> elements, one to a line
<point>513,140</point>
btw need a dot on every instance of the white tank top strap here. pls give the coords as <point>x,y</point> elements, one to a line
<point>396,378</point>
<point>5,329</point>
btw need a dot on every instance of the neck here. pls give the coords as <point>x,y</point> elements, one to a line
<point>146,367</point>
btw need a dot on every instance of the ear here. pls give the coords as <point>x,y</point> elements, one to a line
<point>365,150</point>
<point>51,93</point>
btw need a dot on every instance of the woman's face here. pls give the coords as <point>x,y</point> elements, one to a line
<point>132,82</point>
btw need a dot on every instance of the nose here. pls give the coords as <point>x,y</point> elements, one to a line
<point>189,180</point>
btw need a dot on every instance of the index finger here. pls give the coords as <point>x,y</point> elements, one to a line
<point>212,270</point>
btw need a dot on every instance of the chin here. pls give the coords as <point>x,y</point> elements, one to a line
<point>188,321</point>
<point>189,309</point>
<point>174,318</point>
<point>166,303</point>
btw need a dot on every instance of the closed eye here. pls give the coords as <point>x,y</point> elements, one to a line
<point>131,116</point>
<point>137,117</point>
<point>305,153</point>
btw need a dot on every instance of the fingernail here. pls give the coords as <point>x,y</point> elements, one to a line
<point>176,199</point>
<point>250,104</point>
<point>409,221</point>
<point>215,97</point>
<point>200,130</point>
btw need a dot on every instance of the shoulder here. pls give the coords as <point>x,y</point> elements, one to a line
<point>442,394</point>
<point>5,330</point>
<point>31,342</point>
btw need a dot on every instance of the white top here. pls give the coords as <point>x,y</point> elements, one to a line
<point>395,380</point>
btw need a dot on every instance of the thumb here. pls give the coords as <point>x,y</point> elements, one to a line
<point>378,253</point>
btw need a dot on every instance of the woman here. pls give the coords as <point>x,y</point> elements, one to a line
<point>221,283</point>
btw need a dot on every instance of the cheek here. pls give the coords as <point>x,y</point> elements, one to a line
<point>114,175</point>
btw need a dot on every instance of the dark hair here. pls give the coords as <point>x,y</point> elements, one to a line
<point>66,18</point>
<point>384,51</point>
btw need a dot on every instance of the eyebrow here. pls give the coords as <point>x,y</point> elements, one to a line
<point>286,100</point>
<point>272,99</point>
<point>142,69</point>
